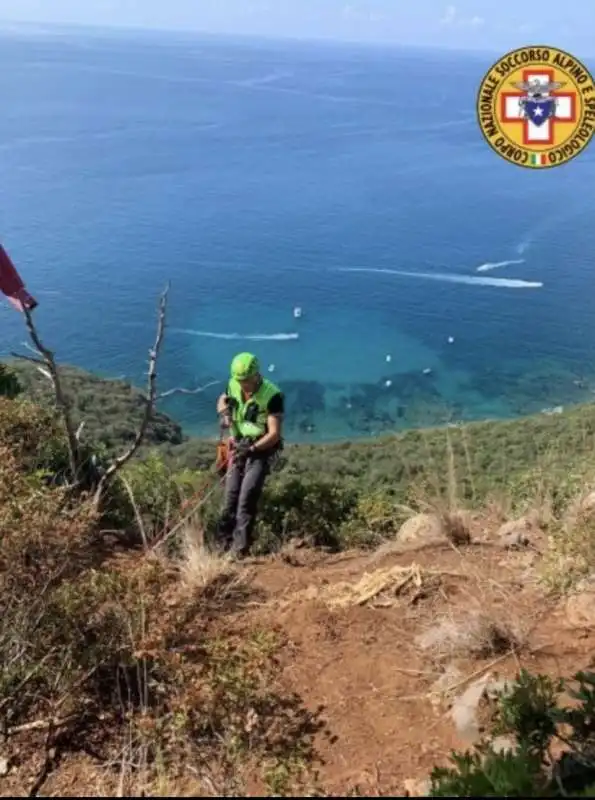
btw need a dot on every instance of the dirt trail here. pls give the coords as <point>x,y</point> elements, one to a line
<point>350,626</point>
<point>363,664</point>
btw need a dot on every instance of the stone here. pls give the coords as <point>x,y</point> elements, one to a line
<point>497,687</point>
<point>465,707</point>
<point>422,528</point>
<point>580,511</point>
<point>4,767</point>
<point>580,607</point>
<point>587,503</point>
<point>431,528</point>
<point>416,788</point>
<point>514,534</point>
<point>503,744</point>
<point>520,533</point>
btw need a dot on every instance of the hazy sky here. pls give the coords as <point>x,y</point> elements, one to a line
<point>489,24</point>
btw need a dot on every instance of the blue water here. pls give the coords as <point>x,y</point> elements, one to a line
<point>254,175</point>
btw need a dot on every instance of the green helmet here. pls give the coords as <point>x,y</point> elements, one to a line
<point>243,366</point>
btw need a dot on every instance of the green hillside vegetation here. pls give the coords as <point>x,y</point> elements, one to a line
<point>135,652</point>
<point>110,409</point>
<point>488,461</point>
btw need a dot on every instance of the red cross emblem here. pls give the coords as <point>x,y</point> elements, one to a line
<point>511,110</point>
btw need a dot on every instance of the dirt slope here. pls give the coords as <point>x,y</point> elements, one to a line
<point>373,643</point>
<point>363,663</point>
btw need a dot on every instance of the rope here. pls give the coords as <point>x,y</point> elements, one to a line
<point>197,498</point>
<point>183,520</point>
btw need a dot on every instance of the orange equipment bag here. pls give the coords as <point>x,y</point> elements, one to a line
<point>222,460</point>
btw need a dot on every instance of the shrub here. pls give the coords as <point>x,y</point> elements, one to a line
<point>32,434</point>
<point>310,508</point>
<point>148,494</point>
<point>9,383</point>
<point>117,649</point>
<point>376,516</point>
<point>530,711</point>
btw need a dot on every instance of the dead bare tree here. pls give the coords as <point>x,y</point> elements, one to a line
<point>150,401</point>
<point>47,366</point>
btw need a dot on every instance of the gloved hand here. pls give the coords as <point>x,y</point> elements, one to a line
<point>226,409</point>
<point>243,448</point>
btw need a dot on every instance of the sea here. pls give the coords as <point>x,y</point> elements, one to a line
<point>332,208</point>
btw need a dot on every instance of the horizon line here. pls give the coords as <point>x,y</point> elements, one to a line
<point>282,38</point>
<point>197,33</point>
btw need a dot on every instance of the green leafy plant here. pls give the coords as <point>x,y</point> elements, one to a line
<point>311,508</point>
<point>9,383</point>
<point>531,713</point>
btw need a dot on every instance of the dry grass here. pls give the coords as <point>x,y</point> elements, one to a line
<point>445,500</point>
<point>456,528</point>
<point>570,555</point>
<point>135,772</point>
<point>201,568</point>
<point>477,634</point>
<point>382,587</point>
<point>443,504</point>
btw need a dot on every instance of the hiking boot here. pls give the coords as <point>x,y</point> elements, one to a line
<point>239,554</point>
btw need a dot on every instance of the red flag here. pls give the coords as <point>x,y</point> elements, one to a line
<point>12,285</point>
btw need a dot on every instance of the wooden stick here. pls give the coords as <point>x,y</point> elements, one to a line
<point>42,724</point>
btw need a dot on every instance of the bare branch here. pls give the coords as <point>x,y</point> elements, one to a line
<point>40,364</point>
<point>61,401</point>
<point>79,431</point>
<point>181,390</point>
<point>150,401</point>
<point>137,514</point>
<point>205,495</point>
<point>28,358</point>
<point>28,346</point>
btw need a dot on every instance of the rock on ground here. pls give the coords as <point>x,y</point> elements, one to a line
<point>416,788</point>
<point>464,711</point>
<point>581,510</point>
<point>441,687</point>
<point>503,744</point>
<point>519,533</point>
<point>514,534</point>
<point>429,528</point>
<point>580,606</point>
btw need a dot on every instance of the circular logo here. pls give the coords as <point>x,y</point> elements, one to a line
<point>536,107</point>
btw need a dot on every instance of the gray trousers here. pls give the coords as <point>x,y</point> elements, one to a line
<point>244,483</point>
